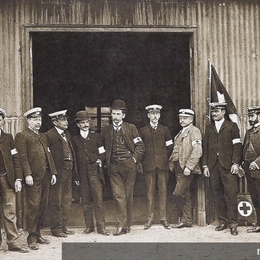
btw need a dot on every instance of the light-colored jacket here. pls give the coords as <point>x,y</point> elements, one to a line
<point>188,149</point>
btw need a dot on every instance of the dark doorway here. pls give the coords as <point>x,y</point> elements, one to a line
<point>74,70</point>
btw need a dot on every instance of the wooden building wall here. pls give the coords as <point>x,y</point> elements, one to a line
<point>226,32</point>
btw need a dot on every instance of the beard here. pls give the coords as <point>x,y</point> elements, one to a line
<point>253,122</point>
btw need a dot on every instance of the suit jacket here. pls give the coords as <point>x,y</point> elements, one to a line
<point>188,149</point>
<point>227,143</point>
<point>11,158</point>
<point>91,148</point>
<point>31,157</point>
<point>56,146</point>
<point>131,137</point>
<point>158,146</point>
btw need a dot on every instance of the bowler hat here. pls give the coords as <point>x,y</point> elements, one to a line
<point>118,105</point>
<point>82,115</point>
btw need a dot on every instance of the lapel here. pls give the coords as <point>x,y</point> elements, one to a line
<point>3,136</point>
<point>58,135</point>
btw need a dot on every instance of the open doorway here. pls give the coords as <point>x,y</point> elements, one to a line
<point>72,70</point>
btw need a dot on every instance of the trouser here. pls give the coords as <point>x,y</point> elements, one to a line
<point>36,206</point>
<point>160,178</point>
<point>122,180</point>
<point>91,187</point>
<point>60,201</point>
<point>254,190</point>
<point>182,194</point>
<point>7,196</point>
<point>225,188</point>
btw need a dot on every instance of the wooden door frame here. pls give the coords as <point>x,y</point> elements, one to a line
<point>27,73</point>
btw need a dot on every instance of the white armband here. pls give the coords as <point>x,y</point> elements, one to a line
<point>14,151</point>
<point>195,142</point>
<point>169,142</point>
<point>236,141</point>
<point>101,149</point>
<point>137,139</point>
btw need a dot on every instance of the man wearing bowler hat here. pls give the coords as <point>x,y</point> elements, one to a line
<point>90,153</point>
<point>251,159</point>
<point>222,154</point>
<point>65,161</point>
<point>185,157</point>
<point>39,172</point>
<point>158,146</point>
<point>124,149</point>
<point>10,182</point>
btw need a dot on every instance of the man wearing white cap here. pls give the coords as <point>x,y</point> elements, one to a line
<point>65,161</point>
<point>158,146</point>
<point>10,182</point>
<point>39,172</point>
<point>251,158</point>
<point>185,157</point>
<point>222,154</point>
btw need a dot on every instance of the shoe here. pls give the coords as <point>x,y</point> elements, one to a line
<point>43,241</point>
<point>60,234</point>
<point>165,224</point>
<point>254,230</point>
<point>182,225</point>
<point>103,232</point>
<point>148,224</point>
<point>233,231</point>
<point>128,229</point>
<point>33,246</point>
<point>120,232</point>
<point>17,248</point>
<point>68,232</point>
<point>88,230</point>
<point>221,227</point>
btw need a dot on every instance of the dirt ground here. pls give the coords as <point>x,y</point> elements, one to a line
<point>156,234</point>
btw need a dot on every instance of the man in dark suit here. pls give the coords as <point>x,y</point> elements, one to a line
<point>10,182</point>
<point>185,157</point>
<point>64,158</point>
<point>124,149</point>
<point>39,172</point>
<point>222,152</point>
<point>158,146</point>
<point>90,153</point>
<point>251,159</point>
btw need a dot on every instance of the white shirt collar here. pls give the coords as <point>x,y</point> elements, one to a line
<point>219,123</point>
<point>59,130</point>
<point>118,127</point>
<point>186,127</point>
<point>84,134</point>
<point>154,126</point>
<point>256,125</point>
<point>33,130</point>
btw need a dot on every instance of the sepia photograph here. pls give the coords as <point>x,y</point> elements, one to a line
<point>129,129</point>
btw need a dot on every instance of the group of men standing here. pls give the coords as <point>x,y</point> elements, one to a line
<point>49,163</point>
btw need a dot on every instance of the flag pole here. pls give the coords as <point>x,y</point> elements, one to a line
<point>209,82</point>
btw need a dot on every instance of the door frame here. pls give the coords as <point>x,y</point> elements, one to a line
<point>27,74</point>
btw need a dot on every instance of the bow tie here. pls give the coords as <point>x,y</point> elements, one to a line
<point>63,134</point>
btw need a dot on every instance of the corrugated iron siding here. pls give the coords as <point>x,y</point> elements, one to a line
<point>227,33</point>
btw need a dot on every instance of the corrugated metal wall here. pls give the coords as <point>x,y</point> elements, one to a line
<point>227,33</point>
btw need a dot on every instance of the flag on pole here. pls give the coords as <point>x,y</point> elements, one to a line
<point>220,94</point>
